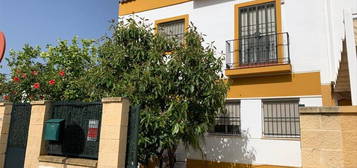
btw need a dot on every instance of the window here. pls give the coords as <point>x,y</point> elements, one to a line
<point>173,27</point>
<point>258,34</point>
<point>281,118</point>
<point>229,122</point>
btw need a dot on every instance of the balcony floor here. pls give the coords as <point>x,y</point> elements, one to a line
<point>258,71</point>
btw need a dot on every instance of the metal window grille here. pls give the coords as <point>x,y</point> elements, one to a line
<point>281,118</point>
<point>229,122</point>
<point>74,138</point>
<point>173,29</point>
<point>257,32</point>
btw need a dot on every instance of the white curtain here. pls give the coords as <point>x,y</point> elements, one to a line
<point>174,28</point>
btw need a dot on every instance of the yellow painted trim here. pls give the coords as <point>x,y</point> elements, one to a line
<point>279,27</point>
<point>213,164</point>
<point>302,84</point>
<point>256,71</point>
<point>184,17</point>
<point>327,95</point>
<point>136,6</point>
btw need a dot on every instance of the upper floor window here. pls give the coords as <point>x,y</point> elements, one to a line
<point>281,118</point>
<point>257,34</point>
<point>173,27</point>
<point>258,37</point>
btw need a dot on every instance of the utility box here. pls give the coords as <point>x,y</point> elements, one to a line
<point>53,129</point>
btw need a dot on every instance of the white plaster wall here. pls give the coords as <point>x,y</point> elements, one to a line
<point>243,149</point>
<point>311,101</point>
<point>316,29</point>
<point>251,147</point>
<point>351,55</point>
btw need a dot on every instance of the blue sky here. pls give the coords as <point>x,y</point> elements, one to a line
<point>41,22</point>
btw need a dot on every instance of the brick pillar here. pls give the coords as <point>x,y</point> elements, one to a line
<point>5,117</point>
<point>36,144</point>
<point>113,133</point>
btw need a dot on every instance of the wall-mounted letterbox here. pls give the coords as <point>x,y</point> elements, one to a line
<point>53,129</point>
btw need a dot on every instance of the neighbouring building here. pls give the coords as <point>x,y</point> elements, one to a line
<point>280,54</point>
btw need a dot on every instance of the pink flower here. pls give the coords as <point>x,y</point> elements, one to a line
<point>61,73</point>
<point>52,82</point>
<point>36,85</point>
<point>16,79</point>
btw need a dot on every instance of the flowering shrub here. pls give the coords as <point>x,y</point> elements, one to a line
<point>58,73</point>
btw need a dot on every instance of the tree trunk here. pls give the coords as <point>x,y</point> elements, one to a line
<point>172,156</point>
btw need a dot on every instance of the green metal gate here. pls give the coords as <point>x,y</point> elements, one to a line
<point>75,140</point>
<point>132,141</point>
<point>17,140</point>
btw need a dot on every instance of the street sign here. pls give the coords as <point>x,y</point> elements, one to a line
<point>2,45</point>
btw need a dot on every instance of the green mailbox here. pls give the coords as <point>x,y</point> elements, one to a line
<point>53,129</point>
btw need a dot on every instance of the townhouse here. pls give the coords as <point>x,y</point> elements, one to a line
<point>280,54</point>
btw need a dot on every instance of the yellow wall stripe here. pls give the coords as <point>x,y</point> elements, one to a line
<point>144,5</point>
<point>273,86</point>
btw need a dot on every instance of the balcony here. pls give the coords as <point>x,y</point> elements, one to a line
<point>258,55</point>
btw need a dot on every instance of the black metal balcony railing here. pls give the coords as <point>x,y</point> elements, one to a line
<point>258,50</point>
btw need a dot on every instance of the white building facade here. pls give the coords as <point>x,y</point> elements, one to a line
<point>280,54</point>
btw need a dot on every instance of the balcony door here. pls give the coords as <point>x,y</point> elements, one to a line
<point>257,35</point>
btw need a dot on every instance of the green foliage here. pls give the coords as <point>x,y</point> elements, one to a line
<point>176,82</point>
<point>59,73</point>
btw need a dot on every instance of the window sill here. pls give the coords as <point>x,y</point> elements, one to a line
<point>281,138</point>
<point>68,161</point>
<point>223,135</point>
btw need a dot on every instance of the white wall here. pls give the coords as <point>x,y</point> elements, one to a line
<point>316,29</point>
<point>251,147</point>
<point>351,55</point>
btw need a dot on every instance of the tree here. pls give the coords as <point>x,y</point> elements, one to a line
<point>177,83</point>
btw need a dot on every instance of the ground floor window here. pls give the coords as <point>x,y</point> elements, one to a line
<point>281,118</point>
<point>229,121</point>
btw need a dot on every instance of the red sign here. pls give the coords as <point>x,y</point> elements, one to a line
<point>92,134</point>
<point>2,45</point>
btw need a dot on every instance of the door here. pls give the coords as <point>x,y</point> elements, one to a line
<point>17,139</point>
<point>257,34</point>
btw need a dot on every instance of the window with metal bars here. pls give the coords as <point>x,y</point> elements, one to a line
<point>257,34</point>
<point>229,122</point>
<point>174,29</point>
<point>281,118</point>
